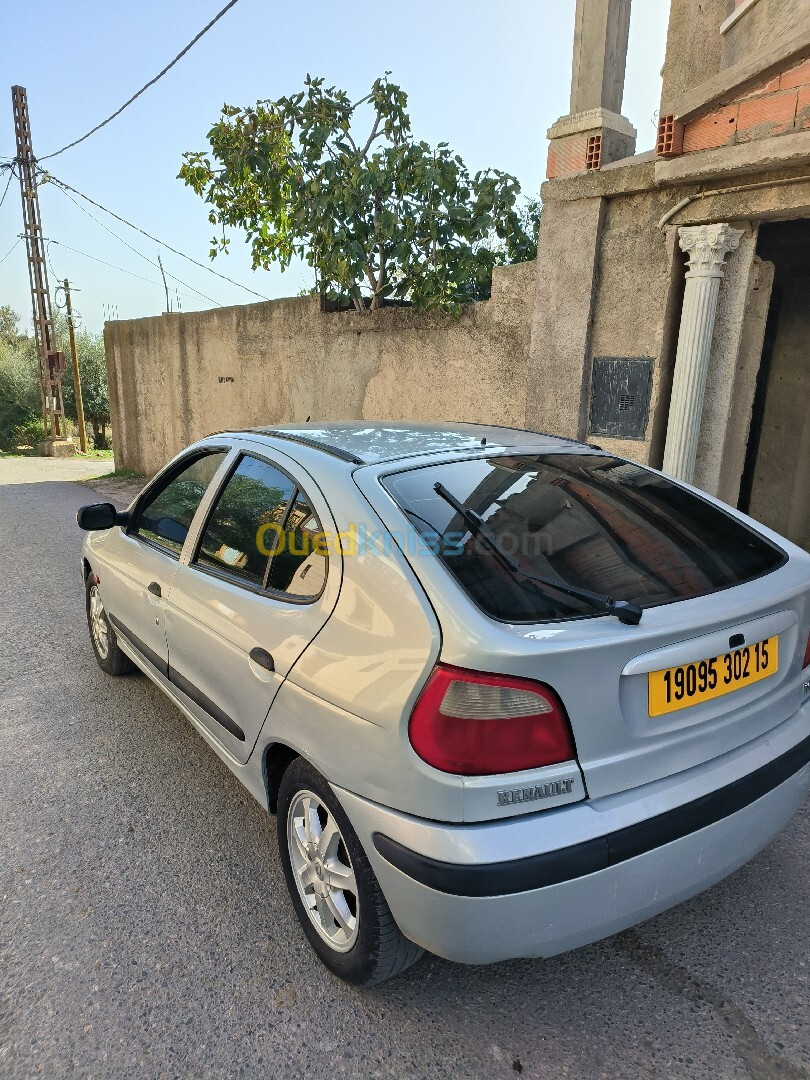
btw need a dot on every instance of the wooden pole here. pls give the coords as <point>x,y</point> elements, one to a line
<point>77,385</point>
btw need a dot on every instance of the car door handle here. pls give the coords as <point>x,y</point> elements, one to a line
<point>263,658</point>
<point>153,588</point>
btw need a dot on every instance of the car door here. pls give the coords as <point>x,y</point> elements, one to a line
<point>259,583</point>
<point>141,559</point>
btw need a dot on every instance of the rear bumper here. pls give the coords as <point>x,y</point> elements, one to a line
<point>483,893</point>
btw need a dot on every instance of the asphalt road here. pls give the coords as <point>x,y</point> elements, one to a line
<point>146,931</point>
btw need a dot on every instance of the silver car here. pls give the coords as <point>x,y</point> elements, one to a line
<point>506,693</point>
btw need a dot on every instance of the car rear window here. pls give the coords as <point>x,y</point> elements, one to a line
<point>589,520</point>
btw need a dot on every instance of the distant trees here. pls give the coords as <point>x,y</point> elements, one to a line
<point>20,411</point>
<point>375,213</point>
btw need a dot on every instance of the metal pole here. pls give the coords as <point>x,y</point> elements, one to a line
<point>165,286</point>
<point>49,360</point>
<point>77,386</point>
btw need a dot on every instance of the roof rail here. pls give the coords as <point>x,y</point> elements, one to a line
<point>315,444</point>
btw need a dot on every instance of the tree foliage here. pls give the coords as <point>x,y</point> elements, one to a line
<point>20,407</point>
<point>376,215</point>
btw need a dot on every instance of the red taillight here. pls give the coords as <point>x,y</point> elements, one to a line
<point>473,724</point>
<point>806,661</point>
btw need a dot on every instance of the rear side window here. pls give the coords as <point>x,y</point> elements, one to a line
<point>299,552</point>
<point>263,531</point>
<point>164,518</point>
<point>252,504</point>
<point>592,521</point>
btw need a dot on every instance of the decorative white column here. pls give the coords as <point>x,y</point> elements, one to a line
<point>707,247</point>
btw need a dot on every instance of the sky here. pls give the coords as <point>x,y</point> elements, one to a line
<point>487,76</point>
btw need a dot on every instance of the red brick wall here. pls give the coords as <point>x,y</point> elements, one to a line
<point>776,107</point>
<point>567,155</point>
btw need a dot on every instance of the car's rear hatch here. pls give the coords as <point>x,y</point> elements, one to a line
<point>711,588</point>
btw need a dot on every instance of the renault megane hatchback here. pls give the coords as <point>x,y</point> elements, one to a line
<point>506,693</point>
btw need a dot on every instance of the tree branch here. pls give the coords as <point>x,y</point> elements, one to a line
<point>373,135</point>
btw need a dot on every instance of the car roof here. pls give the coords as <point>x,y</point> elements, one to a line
<point>364,443</point>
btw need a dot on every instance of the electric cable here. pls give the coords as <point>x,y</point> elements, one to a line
<point>146,258</point>
<point>151,82</point>
<point>67,188</point>
<point>19,238</point>
<point>8,184</point>
<point>114,266</point>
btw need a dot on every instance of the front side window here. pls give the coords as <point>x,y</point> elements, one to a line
<point>247,518</point>
<point>164,518</point>
<point>588,520</point>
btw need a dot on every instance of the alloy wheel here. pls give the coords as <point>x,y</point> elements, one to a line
<point>323,870</point>
<point>99,627</point>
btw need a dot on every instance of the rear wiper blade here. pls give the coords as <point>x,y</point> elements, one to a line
<point>622,609</point>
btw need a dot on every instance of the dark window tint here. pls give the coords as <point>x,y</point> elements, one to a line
<point>299,560</point>
<point>246,520</point>
<point>165,517</point>
<point>593,521</point>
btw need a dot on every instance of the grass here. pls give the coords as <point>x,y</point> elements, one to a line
<point>91,455</point>
<point>120,474</point>
<point>95,455</point>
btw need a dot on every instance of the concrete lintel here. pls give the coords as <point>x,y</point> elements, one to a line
<point>591,120</point>
<point>618,178</point>
<point>758,67</point>
<point>762,155</point>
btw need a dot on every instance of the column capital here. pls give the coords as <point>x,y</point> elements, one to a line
<point>707,247</point>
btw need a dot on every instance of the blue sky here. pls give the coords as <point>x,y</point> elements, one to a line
<point>488,76</point>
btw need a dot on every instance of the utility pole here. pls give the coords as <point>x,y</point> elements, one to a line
<point>51,362</point>
<point>77,386</point>
<point>165,286</point>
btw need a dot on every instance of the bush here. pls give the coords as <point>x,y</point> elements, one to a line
<point>27,435</point>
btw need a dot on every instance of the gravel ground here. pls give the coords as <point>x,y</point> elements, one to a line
<point>145,931</point>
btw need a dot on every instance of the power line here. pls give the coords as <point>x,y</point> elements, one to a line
<point>146,258</point>
<point>151,82</point>
<point>19,238</point>
<point>8,182</point>
<point>154,239</point>
<point>114,266</point>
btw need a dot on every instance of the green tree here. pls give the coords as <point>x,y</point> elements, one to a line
<point>93,373</point>
<point>20,406</point>
<point>376,215</point>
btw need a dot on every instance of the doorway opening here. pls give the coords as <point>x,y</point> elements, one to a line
<point>775,485</point>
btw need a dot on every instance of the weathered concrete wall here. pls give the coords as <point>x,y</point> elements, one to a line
<point>175,378</point>
<point>703,65</point>
<point>763,24</point>
<point>568,244</point>
<point>610,283</point>
<point>694,48</point>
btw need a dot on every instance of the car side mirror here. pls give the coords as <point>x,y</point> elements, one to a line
<point>99,516</point>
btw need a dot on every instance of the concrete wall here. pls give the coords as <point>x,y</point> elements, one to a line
<point>610,283</point>
<point>762,25</point>
<point>694,48</point>
<point>176,378</point>
<point>704,67</point>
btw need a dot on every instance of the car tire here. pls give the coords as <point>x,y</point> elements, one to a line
<point>351,929</point>
<point>109,656</point>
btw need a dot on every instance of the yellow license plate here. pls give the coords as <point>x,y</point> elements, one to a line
<point>689,684</point>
